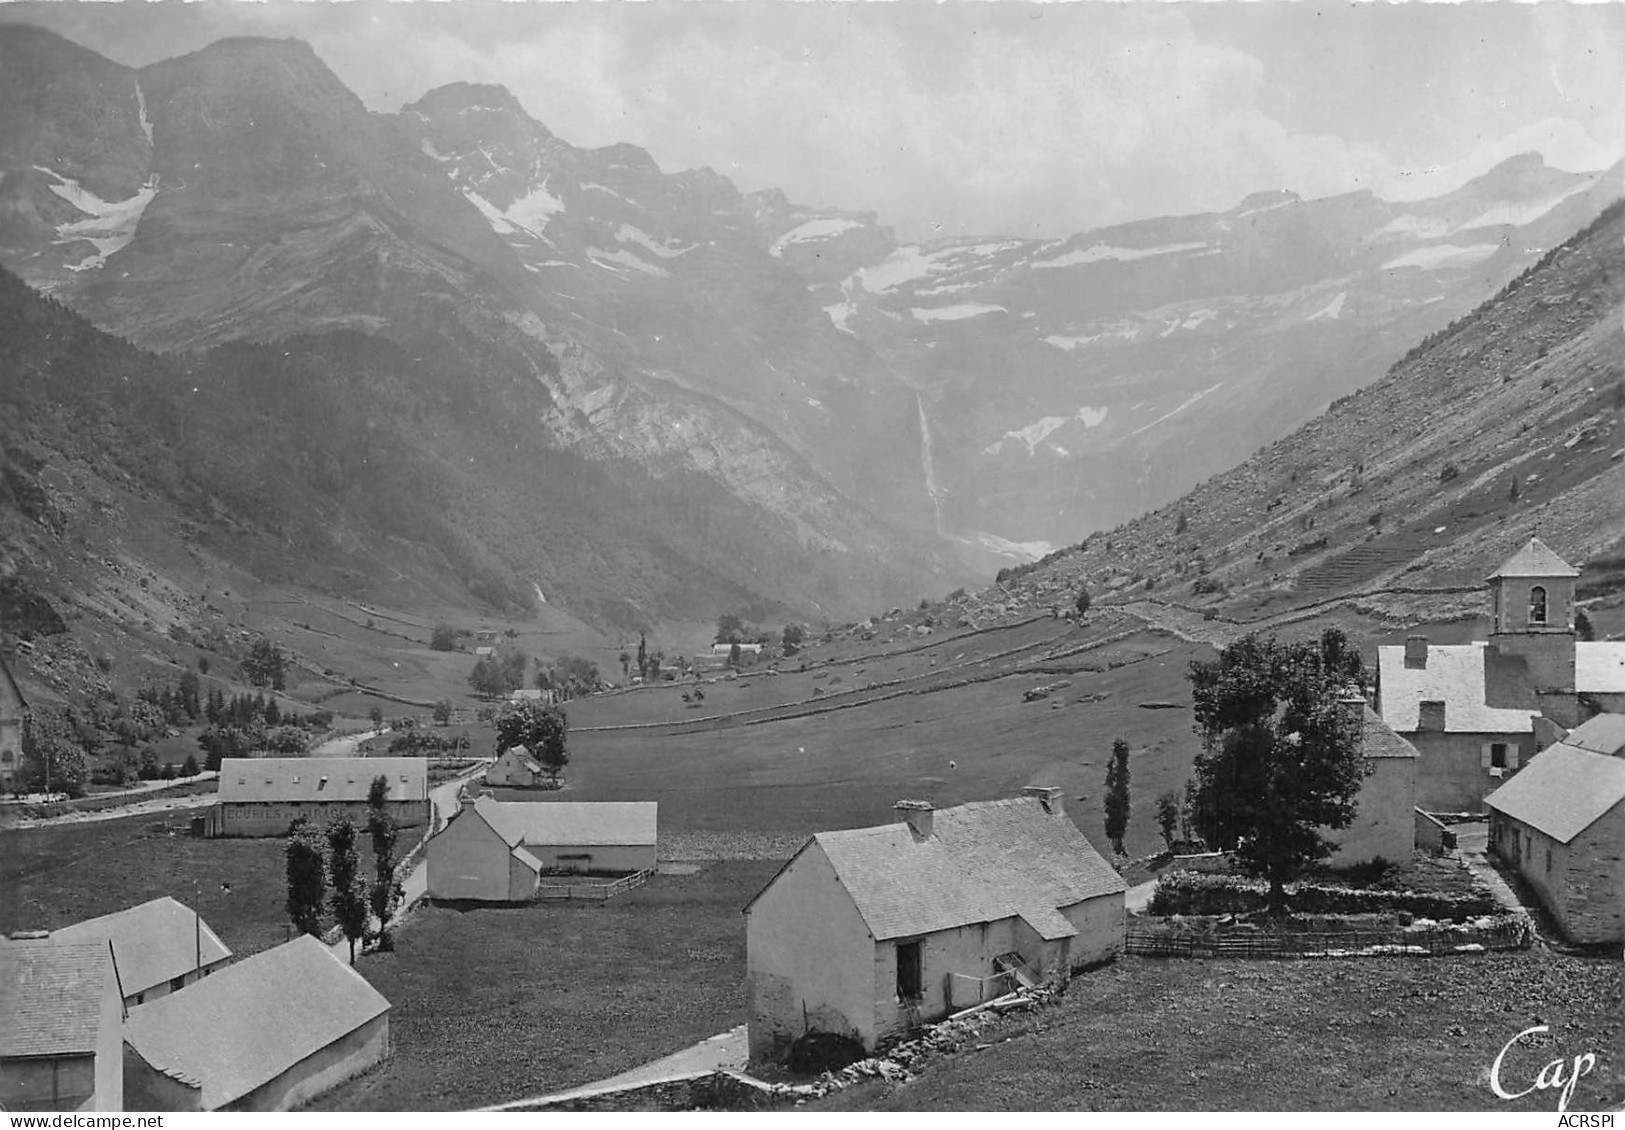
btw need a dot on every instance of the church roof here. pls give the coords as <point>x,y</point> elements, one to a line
<point>1535,560</point>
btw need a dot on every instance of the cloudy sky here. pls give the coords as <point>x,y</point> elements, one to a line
<point>1007,117</point>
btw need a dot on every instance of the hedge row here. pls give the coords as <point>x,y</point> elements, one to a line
<point>1190,892</point>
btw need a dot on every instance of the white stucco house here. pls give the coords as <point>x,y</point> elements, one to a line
<point>497,851</point>
<point>1384,825</point>
<point>872,931</point>
<point>162,947</point>
<point>267,1033</point>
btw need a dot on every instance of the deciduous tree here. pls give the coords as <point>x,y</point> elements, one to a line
<point>1281,755</point>
<point>348,893</point>
<point>306,875</point>
<point>539,726</point>
<point>1168,818</point>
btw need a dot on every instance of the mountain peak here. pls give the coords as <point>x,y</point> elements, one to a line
<point>467,97</point>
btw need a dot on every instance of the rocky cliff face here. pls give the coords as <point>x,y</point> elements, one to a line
<point>857,421</point>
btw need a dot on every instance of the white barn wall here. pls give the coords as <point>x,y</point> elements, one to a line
<point>808,959</point>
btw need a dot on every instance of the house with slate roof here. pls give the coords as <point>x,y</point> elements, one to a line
<point>871,931</point>
<point>1561,823</point>
<point>497,851</point>
<point>13,721</point>
<point>261,796</point>
<point>1384,825</point>
<point>162,945</point>
<point>60,1016</point>
<point>516,768</point>
<point>1477,711</point>
<point>263,1034</point>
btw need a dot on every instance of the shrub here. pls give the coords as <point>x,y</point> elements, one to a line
<point>443,638</point>
<point>1449,471</point>
<point>1188,892</point>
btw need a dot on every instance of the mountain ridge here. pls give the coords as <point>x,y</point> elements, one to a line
<point>894,416</point>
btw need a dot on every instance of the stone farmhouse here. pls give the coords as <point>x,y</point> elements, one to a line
<point>1477,711</point>
<point>497,851</point>
<point>13,722</point>
<point>1384,824</point>
<point>869,932</point>
<point>1561,823</point>
<point>60,1037</point>
<point>262,796</point>
<point>162,946</point>
<point>264,1034</point>
<point>515,768</point>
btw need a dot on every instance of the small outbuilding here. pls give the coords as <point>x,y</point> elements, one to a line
<point>264,1034</point>
<point>1561,823</point>
<point>60,1012</point>
<point>516,768</point>
<point>162,947</point>
<point>496,851</point>
<point>869,932</point>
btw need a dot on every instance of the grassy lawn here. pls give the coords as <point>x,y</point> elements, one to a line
<point>1372,1034</point>
<point>495,1004</point>
<point>53,876</point>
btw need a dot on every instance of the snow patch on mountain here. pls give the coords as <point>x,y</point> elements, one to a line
<point>809,231</point>
<point>493,215</point>
<point>1069,342</point>
<point>840,314</point>
<point>532,210</point>
<point>1105,251</point>
<point>1443,255</point>
<point>111,224</point>
<point>430,152</point>
<point>670,249</point>
<point>626,259</point>
<point>1331,310</point>
<point>602,188</point>
<point>955,313</point>
<point>1036,433</point>
<point>903,265</point>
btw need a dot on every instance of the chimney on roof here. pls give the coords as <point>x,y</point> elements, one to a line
<point>917,813</point>
<point>1351,706</point>
<point>1048,795</point>
<point>1416,651</point>
<point>1430,715</point>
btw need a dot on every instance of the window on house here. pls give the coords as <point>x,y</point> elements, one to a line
<point>140,998</point>
<point>909,981</point>
<point>1498,755</point>
<point>1548,861</point>
<point>175,983</point>
<point>1537,605</point>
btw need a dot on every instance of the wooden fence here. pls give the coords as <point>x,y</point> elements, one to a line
<point>1509,934</point>
<point>599,891</point>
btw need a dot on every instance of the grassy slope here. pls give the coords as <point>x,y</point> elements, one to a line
<point>1370,1034</point>
<point>1500,394</point>
<point>497,1004</point>
<point>50,877</point>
